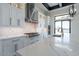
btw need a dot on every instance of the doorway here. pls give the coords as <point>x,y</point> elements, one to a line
<point>62,26</point>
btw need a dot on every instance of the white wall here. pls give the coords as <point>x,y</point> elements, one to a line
<point>74,21</point>
<point>75,26</point>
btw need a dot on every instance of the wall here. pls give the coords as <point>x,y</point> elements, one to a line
<point>74,21</point>
<point>8,31</point>
<point>29,27</point>
<point>75,26</point>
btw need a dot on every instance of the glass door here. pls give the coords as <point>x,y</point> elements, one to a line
<point>62,27</point>
<point>57,27</point>
<point>65,26</point>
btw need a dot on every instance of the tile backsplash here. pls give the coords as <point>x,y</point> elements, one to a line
<point>5,31</point>
<point>28,27</point>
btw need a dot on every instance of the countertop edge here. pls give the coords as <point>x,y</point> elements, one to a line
<point>12,36</point>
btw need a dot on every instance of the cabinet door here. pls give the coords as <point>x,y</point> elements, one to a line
<point>13,15</point>
<point>5,12</point>
<point>34,39</point>
<point>8,47</point>
<point>26,41</point>
<point>20,17</point>
<point>20,44</point>
<point>1,49</point>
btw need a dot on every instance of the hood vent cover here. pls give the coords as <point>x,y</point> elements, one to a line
<point>29,10</point>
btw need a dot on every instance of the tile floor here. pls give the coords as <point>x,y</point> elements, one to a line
<point>52,46</point>
<point>63,46</point>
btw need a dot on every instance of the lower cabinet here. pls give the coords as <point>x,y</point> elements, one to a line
<point>26,41</point>
<point>34,39</point>
<point>1,49</point>
<point>8,47</point>
<point>19,44</point>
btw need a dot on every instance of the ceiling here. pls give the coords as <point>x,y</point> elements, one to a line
<point>52,6</point>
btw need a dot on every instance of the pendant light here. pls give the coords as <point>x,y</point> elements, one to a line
<point>72,10</point>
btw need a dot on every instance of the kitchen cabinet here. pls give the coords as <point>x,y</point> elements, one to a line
<point>13,15</point>
<point>4,14</point>
<point>26,41</point>
<point>19,43</point>
<point>10,15</point>
<point>18,15</point>
<point>1,49</point>
<point>33,39</point>
<point>7,47</point>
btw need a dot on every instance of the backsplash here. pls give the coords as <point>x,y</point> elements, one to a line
<point>5,31</point>
<point>28,27</point>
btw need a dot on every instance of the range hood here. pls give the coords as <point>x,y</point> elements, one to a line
<point>30,13</point>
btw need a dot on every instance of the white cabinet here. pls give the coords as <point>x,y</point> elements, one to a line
<point>7,47</point>
<point>17,15</point>
<point>4,14</point>
<point>13,15</point>
<point>20,17</point>
<point>20,43</point>
<point>33,39</point>
<point>10,15</point>
<point>1,49</point>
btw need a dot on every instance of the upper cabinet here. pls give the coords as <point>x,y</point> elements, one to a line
<point>12,14</point>
<point>4,14</point>
<point>31,13</point>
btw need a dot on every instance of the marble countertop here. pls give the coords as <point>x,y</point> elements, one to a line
<point>18,35</point>
<point>11,36</point>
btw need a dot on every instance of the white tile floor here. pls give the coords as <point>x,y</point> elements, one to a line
<point>63,46</point>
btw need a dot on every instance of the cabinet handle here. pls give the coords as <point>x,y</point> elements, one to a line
<point>18,22</point>
<point>10,21</point>
<point>15,46</point>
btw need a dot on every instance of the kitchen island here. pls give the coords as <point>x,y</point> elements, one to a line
<point>40,48</point>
